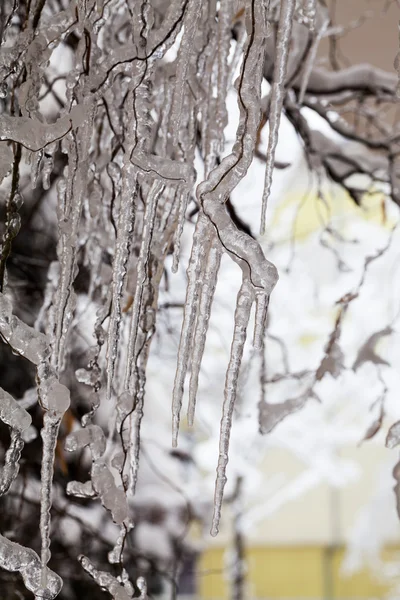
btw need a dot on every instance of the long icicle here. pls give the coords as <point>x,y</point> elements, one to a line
<point>242,314</point>
<point>148,226</point>
<point>199,340</point>
<point>122,251</point>
<point>195,269</point>
<point>184,55</point>
<point>277,96</point>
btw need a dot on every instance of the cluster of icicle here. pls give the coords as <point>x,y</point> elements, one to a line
<point>128,131</point>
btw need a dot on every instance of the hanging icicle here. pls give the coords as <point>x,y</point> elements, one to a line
<point>277,96</point>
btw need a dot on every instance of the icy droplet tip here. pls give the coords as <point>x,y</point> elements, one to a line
<point>214,530</point>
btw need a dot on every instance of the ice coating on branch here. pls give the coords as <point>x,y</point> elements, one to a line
<point>14,557</point>
<point>23,339</point>
<point>242,315</point>
<point>112,497</point>
<point>81,490</point>
<point>171,171</point>
<point>102,482</point>
<point>115,555</point>
<point>105,580</point>
<point>92,436</point>
<point>18,420</point>
<point>277,95</point>
<point>34,134</point>
<point>54,398</point>
<point>12,413</point>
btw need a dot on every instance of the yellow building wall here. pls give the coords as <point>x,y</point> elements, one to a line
<point>303,572</point>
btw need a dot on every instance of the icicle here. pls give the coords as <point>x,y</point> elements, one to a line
<point>194,271</point>
<point>53,273</point>
<point>36,159</point>
<point>122,252</point>
<point>185,51</point>
<point>277,95</point>
<point>310,61</point>
<point>182,207</point>
<point>212,194</point>
<point>262,301</point>
<point>18,420</point>
<point>105,580</point>
<point>135,423</point>
<point>69,220</point>
<point>206,298</point>
<point>14,557</point>
<point>141,275</point>
<point>243,306</point>
<point>225,18</point>
<point>49,434</point>
<point>48,164</point>
<point>54,399</point>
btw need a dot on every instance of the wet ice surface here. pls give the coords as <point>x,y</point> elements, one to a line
<point>134,114</point>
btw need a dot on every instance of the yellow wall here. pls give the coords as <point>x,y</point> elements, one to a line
<point>305,572</point>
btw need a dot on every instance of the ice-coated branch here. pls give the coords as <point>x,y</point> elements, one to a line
<point>35,135</point>
<point>14,557</point>
<point>102,482</point>
<point>106,581</point>
<point>18,420</point>
<point>54,399</point>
